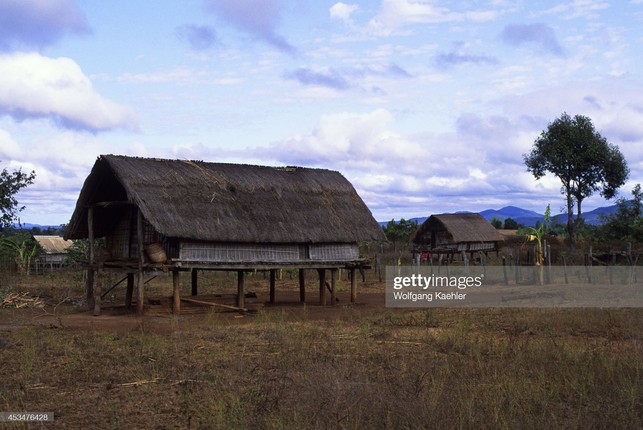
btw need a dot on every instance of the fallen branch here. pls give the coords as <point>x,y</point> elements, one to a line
<point>399,342</point>
<point>21,300</point>
<point>137,383</point>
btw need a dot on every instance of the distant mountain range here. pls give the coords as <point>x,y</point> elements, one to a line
<point>530,218</point>
<point>29,226</point>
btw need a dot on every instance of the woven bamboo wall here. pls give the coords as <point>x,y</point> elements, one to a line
<point>232,252</point>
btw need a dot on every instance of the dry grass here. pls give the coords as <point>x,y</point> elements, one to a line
<point>351,367</point>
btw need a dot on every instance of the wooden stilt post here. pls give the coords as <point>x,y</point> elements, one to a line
<point>89,286</point>
<point>194,282</point>
<point>140,299</point>
<point>240,289</point>
<point>322,287</point>
<point>549,278</point>
<point>130,290</point>
<point>302,286</point>
<point>333,286</point>
<point>176,294</point>
<point>588,265</point>
<point>518,273</point>
<point>273,275</point>
<point>353,286</point>
<point>483,263</point>
<point>100,277</point>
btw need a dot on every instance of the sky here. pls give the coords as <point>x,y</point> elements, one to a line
<point>426,106</point>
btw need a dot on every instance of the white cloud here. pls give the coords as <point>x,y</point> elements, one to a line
<point>61,161</point>
<point>35,86</point>
<point>397,13</point>
<point>343,11</point>
<point>8,147</point>
<point>347,139</point>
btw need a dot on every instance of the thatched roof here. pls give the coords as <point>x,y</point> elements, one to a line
<point>463,228</point>
<point>225,202</point>
<point>52,244</point>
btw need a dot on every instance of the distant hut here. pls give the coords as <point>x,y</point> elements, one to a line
<point>190,215</point>
<point>456,233</point>
<point>54,251</point>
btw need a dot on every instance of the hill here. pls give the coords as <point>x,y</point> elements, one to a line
<point>528,217</point>
<point>520,215</point>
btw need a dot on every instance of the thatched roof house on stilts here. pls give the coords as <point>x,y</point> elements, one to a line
<point>181,216</point>
<point>450,234</point>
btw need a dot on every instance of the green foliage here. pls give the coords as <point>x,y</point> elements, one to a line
<point>581,158</point>
<point>400,231</point>
<point>10,184</point>
<point>511,224</point>
<point>496,223</point>
<point>22,248</point>
<point>537,233</point>
<point>627,223</point>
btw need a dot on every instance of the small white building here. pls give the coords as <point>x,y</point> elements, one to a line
<point>54,251</point>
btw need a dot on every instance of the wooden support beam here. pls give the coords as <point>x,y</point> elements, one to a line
<point>273,275</point>
<point>176,295</point>
<point>140,300</point>
<point>353,287</point>
<point>333,286</point>
<point>98,287</point>
<point>105,293</point>
<point>130,290</point>
<point>240,289</point>
<point>218,305</point>
<point>322,287</point>
<point>194,282</point>
<point>302,286</point>
<point>89,285</point>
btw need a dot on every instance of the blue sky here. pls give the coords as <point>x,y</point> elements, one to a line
<point>425,106</point>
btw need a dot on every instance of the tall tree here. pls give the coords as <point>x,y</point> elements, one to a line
<point>583,160</point>
<point>10,184</point>
<point>627,222</point>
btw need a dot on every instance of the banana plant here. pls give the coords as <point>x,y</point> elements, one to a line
<point>537,234</point>
<point>24,251</point>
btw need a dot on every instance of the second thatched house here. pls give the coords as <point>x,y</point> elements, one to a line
<point>54,251</point>
<point>191,215</point>
<point>456,233</point>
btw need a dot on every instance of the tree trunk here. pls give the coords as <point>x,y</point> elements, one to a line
<point>579,217</point>
<point>570,221</point>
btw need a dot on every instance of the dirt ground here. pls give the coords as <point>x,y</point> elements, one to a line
<point>158,314</point>
<point>294,365</point>
<point>158,308</point>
